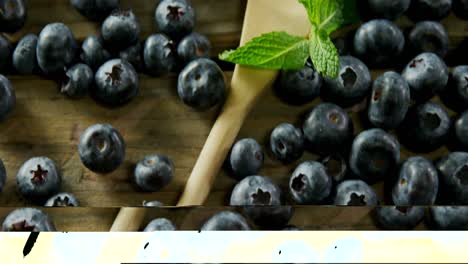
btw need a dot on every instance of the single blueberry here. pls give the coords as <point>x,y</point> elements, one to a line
<point>225,220</point>
<point>460,8</point>
<point>352,84</point>
<point>417,184</point>
<point>160,224</point>
<point>201,84</point>
<point>154,172</point>
<point>3,175</point>
<point>450,217</point>
<point>194,46</point>
<point>335,166</point>
<point>455,95</point>
<point>390,101</point>
<point>24,55</point>
<point>388,9</point>
<point>328,128</point>
<point>269,217</point>
<point>7,98</point>
<point>13,14</point>
<point>298,87</point>
<point>159,54</point>
<point>38,179</point>
<point>62,200</point>
<point>461,130</point>
<point>246,158</point>
<point>78,81</point>
<point>256,191</point>
<point>28,220</point>
<point>379,42</point>
<point>453,171</point>
<point>429,36</point>
<point>5,54</point>
<point>355,193</point>
<point>429,9</point>
<point>56,48</point>
<point>96,10</point>
<point>133,54</point>
<point>93,52</point>
<point>175,18</point>
<point>310,183</point>
<point>425,128</point>
<point>398,217</point>
<point>287,143</point>
<point>152,204</point>
<point>116,83</point>
<point>374,154</point>
<point>426,74</point>
<point>120,29</point>
<point>101,148</point>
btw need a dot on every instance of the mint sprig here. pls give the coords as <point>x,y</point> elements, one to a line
<point>279,50</point>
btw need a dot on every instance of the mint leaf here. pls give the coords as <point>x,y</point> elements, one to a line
<point>275,50</point>
<point>323,53</point>
<point>329,15</point>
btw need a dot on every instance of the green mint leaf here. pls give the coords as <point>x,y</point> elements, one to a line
<point>323,53</point>
<point>275,50</point>
<point>329,15</point>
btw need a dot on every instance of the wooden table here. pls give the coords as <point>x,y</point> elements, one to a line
<point>46,123</point>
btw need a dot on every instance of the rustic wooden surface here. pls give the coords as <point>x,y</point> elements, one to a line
<point>46,123</point>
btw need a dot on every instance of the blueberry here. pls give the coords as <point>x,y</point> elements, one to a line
<point>13,14</point>
<point>388,9</point>
<point>461,130</point>
<point>352,84</point>
<point>417,184</point>
<point>133,54</point>
<point>390,101</point>
<point>398,218</point>
<point>93,52</point>
<point>256,190</point>
<point>379,42</point>
<point>28,220</point>
<point>335,166</point>
<point>96,10</point>
<point>455,95</point>
<point>287,143</point>
<point>3,175</point>
<point>298,87</point>
<point>426,75</point>
<point>152,204</point>
<point>225,220</point>
<point>5,54</point>
<point>246,158</point>
<point>310,183</point>
<point>269,217</point>
<point>194,46</point>
<point>453,171</point>
<point>116,83</point>
<point>460,8</point>
<point>120,29</point>
<point>201,84</point>
<point>328,128</point>
<point>56,48</point>
<point>429,9</point>
<point>355,193</point>
<point>154,172</point>
<point>159,54</point>
<point>78,81</point>
<point>7,98</point>
<point>101,148</point>
<point>374,154</point>
<point>429,36</point>
<point>176,18</point>
<point>62,200</point>
<point>160,224</point>
<point>38,179</point>
<point>450,217</point>
<point>425,128</point>
<point>24,55</point>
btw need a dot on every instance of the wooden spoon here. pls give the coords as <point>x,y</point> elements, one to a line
<point>247,85</point>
